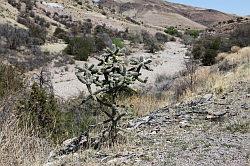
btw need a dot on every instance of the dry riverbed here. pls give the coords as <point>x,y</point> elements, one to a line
<point>165,63</point>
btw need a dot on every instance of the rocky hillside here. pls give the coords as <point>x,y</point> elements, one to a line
<point>160,13</point>
<point>151,15</point>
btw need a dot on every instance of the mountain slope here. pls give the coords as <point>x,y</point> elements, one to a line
<point>160,13</point>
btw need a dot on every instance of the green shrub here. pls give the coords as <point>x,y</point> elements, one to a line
<point>209,57</point>
<point>43,112</point>
<point>80,47</point>
<point>193,33</point>
<point>118,42</point>
<point>40,110</point>
<point>206,49</point>
<point>172,31</point>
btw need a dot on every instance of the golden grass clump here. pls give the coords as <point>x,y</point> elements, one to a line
<point>211,80</point>
<point>144,104</point>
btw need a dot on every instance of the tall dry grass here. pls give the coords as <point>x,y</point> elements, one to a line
<point>211,80</point>
<point>144,104</point>
<point>21,147</point>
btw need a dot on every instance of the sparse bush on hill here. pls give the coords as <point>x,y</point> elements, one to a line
<point>13,36</point>
<point>102,41</point>
<point>172,31</point>
<point>37,27</point>
<point>39,33</point>
<point>61,34</point>
<point>150,42</point>
<point>241,35</point>
<point>11,80</point>
<point>87,27</point>
<point>230,21</point>
<point>161,37</point>
<point>193,33</point>
<point>206,49</point>
<point>80,47</point>
<point>135,38</point>
<point>132,20</point>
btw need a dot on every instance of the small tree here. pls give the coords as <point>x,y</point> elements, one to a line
<point>111,75</point>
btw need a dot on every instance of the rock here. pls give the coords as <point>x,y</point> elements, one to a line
<point>184,124</point>
<point>206,98</point>
<point>215,115</point>
<point>140,121</point>
<point>245,106</point>
<point>235,49</point>
<point>72,145</point>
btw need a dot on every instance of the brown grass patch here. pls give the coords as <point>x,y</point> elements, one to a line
<point>21,147</point>
<point>144,104</point>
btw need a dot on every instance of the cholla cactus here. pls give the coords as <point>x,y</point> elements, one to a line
<point>110,76</point>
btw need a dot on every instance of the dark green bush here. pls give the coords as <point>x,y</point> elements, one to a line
<point>161,37</point>
<point>61,34</point>
<point>206,49</point>
<point>193,33</point>
<point>172,31</point>
<point>209,57</point>
<point>80,47</point>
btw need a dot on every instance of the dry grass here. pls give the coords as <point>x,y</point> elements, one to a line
<point>211,80</point>
<point>144,104</point>
<point>21,147</point>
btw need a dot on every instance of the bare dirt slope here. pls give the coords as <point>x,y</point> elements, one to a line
<point>152,15</point>
<point>158,12</point>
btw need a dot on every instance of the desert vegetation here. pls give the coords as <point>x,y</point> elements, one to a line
<point>125,112</point>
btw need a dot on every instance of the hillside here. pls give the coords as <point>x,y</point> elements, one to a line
<point>151,14</point>
<point>160,13</point>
